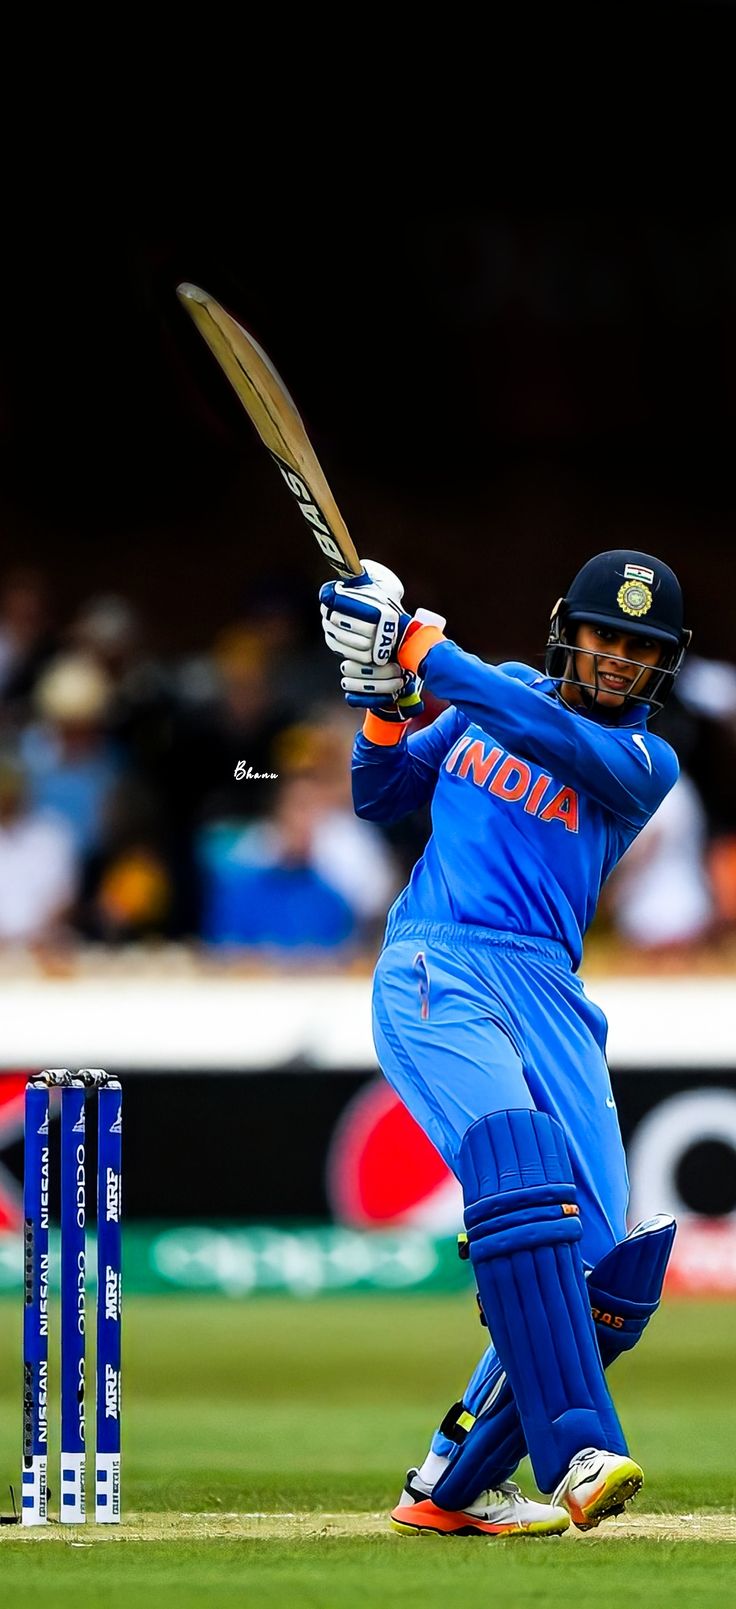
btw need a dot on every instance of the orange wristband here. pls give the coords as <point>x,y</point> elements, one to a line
<point>418,639</point>
<point>387,733</point>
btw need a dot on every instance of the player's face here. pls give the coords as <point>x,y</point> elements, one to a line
<point>601,653</point>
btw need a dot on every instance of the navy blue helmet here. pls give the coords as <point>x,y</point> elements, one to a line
<point>628,592</point>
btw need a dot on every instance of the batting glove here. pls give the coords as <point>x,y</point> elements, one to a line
<point>390,693</point>
<point>365,622</point>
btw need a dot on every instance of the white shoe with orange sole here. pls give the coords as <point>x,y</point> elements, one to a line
<point>504,1512</point>
<point>597,1485</point>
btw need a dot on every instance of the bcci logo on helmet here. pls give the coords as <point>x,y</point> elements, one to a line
<point>634,598</point>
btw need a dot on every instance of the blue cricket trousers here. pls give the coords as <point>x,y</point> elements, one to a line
<point>467,1022</point>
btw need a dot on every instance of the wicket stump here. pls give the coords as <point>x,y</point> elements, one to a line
<point>73,1088</point>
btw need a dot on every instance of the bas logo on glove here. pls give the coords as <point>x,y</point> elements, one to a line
<point>387,645</point>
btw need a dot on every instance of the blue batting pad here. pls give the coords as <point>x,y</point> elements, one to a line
<point>489,1448</point>
<point>624,1290</point>
<point>625,1287</point>
<point>523,1227</point>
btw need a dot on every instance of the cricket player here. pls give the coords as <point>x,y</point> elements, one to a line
<point>538,784</point>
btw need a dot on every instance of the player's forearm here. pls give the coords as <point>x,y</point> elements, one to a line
<point>537,730</point>
<point>540,730</point>
<point>387,782</point>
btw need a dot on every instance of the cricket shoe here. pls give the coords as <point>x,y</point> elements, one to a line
<point>503,1512</point>
<point>596,1486</point>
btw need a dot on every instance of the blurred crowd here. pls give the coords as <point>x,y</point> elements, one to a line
<point>205,798</point>
<point>201,798</point>
<point>674,891</point>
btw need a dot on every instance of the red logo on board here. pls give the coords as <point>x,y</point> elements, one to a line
<point>382,1170</point>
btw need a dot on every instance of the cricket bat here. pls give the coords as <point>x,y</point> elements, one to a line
<point>278,422</point>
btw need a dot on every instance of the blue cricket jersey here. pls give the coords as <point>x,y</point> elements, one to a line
<point>532,803</point>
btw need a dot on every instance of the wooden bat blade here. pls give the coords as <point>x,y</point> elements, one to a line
<point>276,418</point>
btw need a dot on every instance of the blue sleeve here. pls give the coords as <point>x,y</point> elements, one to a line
<point>390,782</point>
<point>627,771</point>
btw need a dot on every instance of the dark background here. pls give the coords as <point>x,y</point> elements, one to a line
<point>494,395</point>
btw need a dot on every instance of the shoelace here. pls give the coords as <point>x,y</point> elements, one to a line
<point>506,1489</point>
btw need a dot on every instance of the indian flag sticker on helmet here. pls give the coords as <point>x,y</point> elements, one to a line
<point>634,598</point>
<point>638,572</point>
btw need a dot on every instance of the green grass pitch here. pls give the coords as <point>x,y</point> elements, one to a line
<point>282,1408</point>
